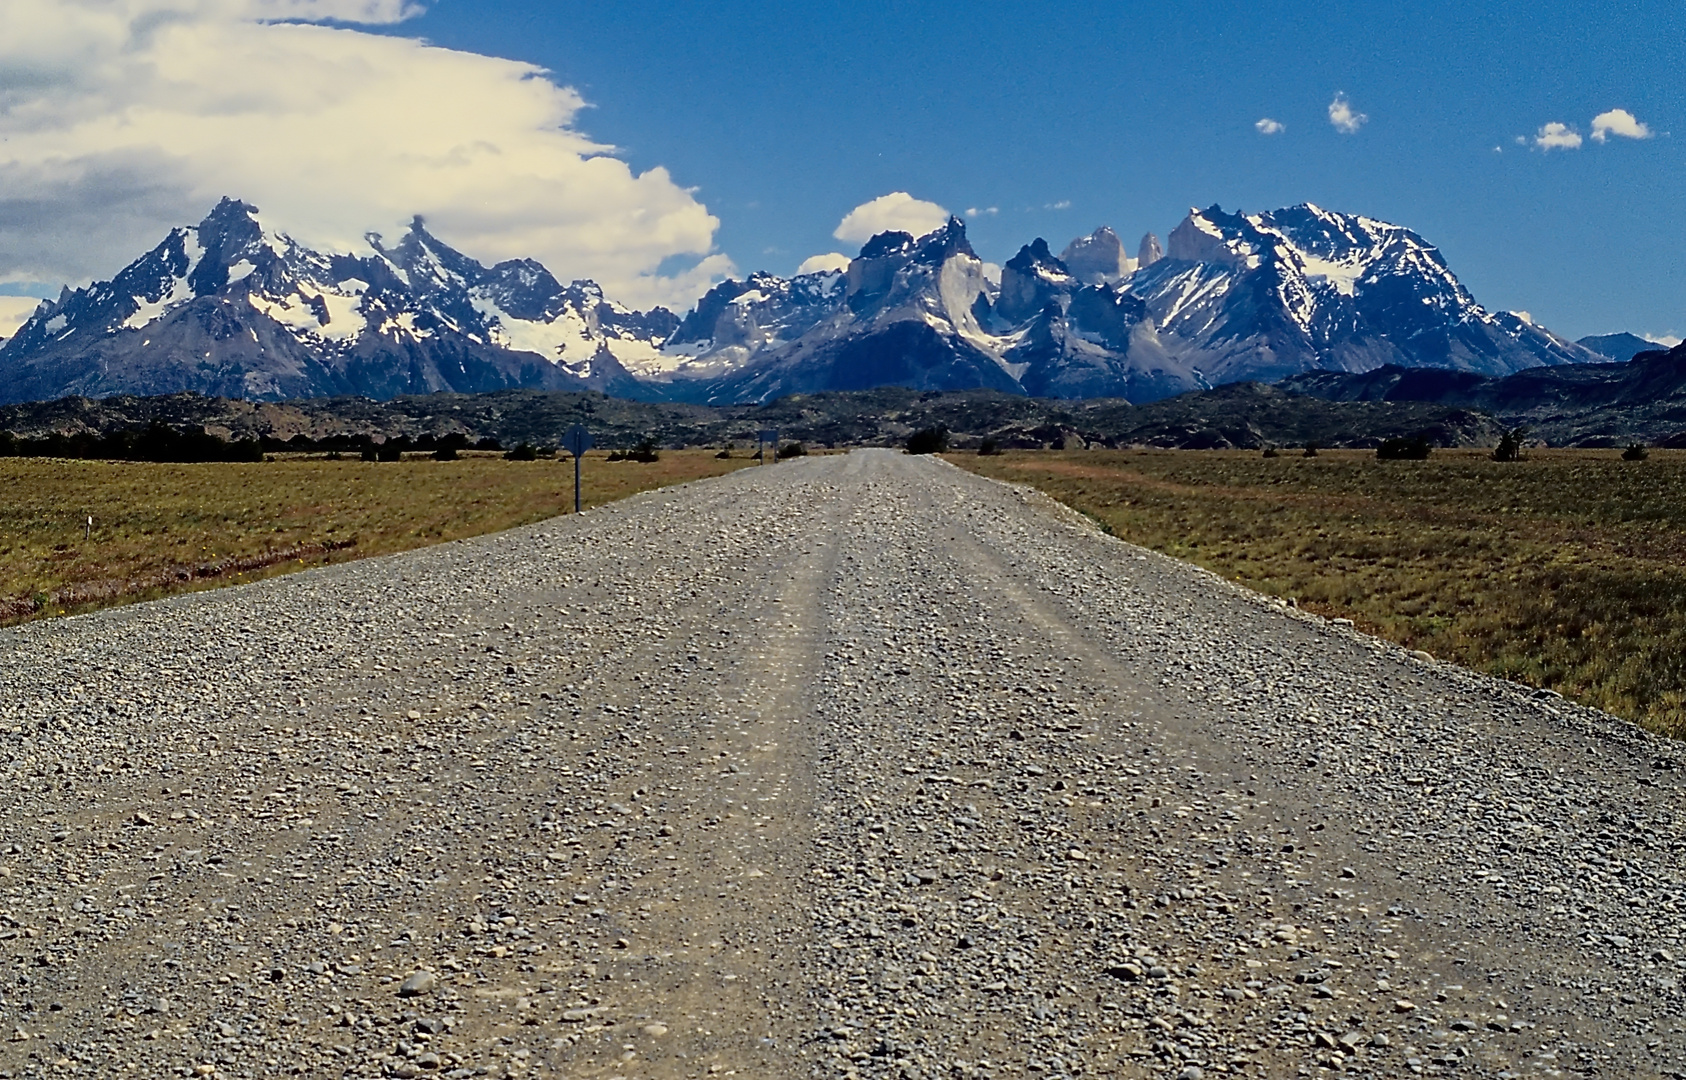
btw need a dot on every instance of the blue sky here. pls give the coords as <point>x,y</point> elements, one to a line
<point>657,146</point>
<point>785,116</point>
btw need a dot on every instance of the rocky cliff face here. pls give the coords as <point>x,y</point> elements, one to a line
<point>1098,259</point>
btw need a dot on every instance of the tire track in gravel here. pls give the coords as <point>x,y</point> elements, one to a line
<point>842,767</point>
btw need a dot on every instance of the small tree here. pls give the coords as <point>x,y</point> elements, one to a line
<point>1270,451</point>
<point>1636,452</point>
<point>790,450</point>
<point>989,448</point>
<point>1510,446</point>
<point>1310,449</point>
<point>526,451</point>
<point>932,440</point>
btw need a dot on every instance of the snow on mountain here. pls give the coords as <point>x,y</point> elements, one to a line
<point>229,307</point>
<point>1264,296</point>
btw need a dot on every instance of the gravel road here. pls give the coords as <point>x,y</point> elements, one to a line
<point>854,766</point>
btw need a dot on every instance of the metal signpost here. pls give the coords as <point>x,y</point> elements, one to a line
<point>577,441</point>
<point>764,438</point>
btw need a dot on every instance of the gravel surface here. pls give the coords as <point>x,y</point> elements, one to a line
<point>849,766</point>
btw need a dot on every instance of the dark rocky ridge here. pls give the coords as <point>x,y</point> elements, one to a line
<point>1244,416</point>
<point>1584,405</point>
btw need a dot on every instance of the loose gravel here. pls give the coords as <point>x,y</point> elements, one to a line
<point>855,766</point>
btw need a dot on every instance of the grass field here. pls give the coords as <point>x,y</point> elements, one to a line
<point>1565,571</point>
<point>169,528</point>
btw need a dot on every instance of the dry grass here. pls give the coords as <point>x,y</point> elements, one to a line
<point>160,529</point>
<point>1565,571</point>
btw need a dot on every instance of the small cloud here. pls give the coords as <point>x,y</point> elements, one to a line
<point>1063,204</point>
<point>831,260</point>
<point>1522,140</point>
<point>1267,126</point>
<point>897,211</point>
<point>988,211</point>
<point>1346,119</point>
<point>1556,136</point>
<point>1498,149</point>
<point>1670,340</point>
<point>1618,122</point>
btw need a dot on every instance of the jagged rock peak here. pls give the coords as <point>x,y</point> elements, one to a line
<point>1149,251</point>
<point>1097,259</point>
<point>934,247</point>
<point>1031,279</point>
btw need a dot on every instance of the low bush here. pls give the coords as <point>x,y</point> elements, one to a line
<point>1415,449</point>
<point>989,448</point>
<point>790,450</point>
<point>525,451</point>
<point>1636,452</point>
<point>932,440</point>
<point>1310,449</point>
<point>1270,451</point>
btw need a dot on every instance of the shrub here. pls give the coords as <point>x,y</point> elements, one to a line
<point>1510,446</point>
<point>1636,452</point>
<point>931,440</point>
<point>989,448</point>
<point>391,450</point>
<point>1310,449</point>
<point>1270,451</point>
<point>369,453</point>
<point>725,453</point>
<point>488,443</point>
<point>445,453</point>
<point>1416,449</point>
<point>790,450</point>
<point>525,451</point>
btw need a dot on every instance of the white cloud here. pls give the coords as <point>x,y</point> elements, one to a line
<point>831,260</point>
<point>123,118</point>
<point>1618,122</point>
<point>1063,204</point>
<point>1267,126</point>
<point>1669,340</point>
<point>1556,136</point>
<point>14,312</point>
<point>988,211</point>
<point>1346,119</point>
<point>895,212</point>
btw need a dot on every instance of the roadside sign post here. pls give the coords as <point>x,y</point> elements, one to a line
<point>577,441</point>
<point>764,438</point>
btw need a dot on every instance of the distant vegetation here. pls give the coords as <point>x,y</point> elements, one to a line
<point>1416,448</point>
<point>158,442</point>
<point>161,528</point>
<point>931,440</point>
<point>1565,571</point>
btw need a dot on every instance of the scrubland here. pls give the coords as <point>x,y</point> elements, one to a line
<point>1565,571</point>
<point>163,528</point>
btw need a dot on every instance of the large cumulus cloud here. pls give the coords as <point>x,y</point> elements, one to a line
<point>122,118</point>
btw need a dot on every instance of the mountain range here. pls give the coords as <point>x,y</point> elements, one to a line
<point>228,307</point>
